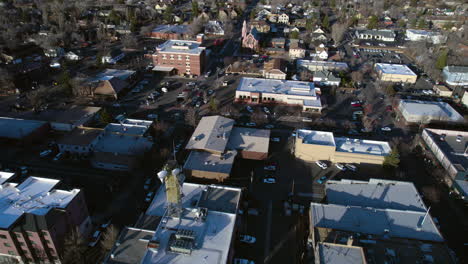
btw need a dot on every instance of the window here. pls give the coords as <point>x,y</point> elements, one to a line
<point>164,56</point>
<point>6,245</point>
<point>179,57</point>
<point>172,57</point>
<point>2,236</point>
<point>187,64</point>
<point>187,57</point>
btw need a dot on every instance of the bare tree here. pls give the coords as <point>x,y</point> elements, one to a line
<point>74,248</point>
<point>6,81</point>
<point>129,41</point>
<point>259,117</point>
<point>338,30</point>
<point>357,76</point>
<point>196,26</point>
<point>109,238</point>
<point>191,117</point>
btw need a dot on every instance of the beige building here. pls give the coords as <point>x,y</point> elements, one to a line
<point>313,145</point>
<point>442,90</point>
<point>395,73</point>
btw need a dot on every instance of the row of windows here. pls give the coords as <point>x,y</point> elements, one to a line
<point>179,57</point>
<point>264,98</point>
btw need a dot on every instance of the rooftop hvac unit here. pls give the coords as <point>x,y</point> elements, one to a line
<point>185,234</point>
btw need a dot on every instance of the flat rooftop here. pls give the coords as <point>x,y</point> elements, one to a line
<point>258,85</point>
<point>422,32</point>
<point>108,74</point>
<point>33,196</point>
<point>316,137</point>
<point>452,148</point>
<point>324,64</point>
<point>5,176</point>
<point>430,109</point>
<point>132,246</point>
<point>122,144</point>
<point>80,136</point>
<point>181,46</point>
<point>375,193</point>
<point>399,69</point>
<point>330,253</point>
<point>127,129</point>
<point>249,139</point>
<point>362,146</point>
<point>177,29</point>
<point>211,134</point>
<point>74,114</point>
<point>14,128</point>
<point>382,32</point>
<point>205,161</point>
<point>375,221</point>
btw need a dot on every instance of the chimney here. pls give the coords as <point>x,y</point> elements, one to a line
<point>350,241</point>
<point>200,38</point>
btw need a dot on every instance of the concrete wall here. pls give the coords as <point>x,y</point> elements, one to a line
<point>207,175</point>
<point>253,155</point>
<point>348,157</point>
<point>398,78</point>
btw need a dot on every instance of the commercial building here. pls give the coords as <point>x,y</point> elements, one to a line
<point>395,73</point>
<point>450,148</point>
<point>182,57</point>
<point>455,75</point>
<point>268,91</point>
<point>376,222</point>
<point>442,90</point>
<point>424,112</point>
<point>166,32</point>
<point>36,218</point>
<point>204,232</point>
<point>22,131</point>
<point>380,35</point>
<point>424,35</point>
<point>311,145</point>
<point>216,143</point>
<point>313,65</point>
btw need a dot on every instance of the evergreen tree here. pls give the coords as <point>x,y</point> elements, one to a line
<point>442,59</point>
<point>392,160</point>
<point>373,21</point>
<point>326,22</point>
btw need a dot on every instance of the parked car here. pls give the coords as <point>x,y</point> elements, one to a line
<point>386,129</point>
<point>351,167</point>
<point>243,261</point>
<point>207,74</point>
<point>275,139</point>
<point>459,138</point>
<point>149,196</point>
<point>249,109</point>
<point>252,211</point>
<point>45,153</point>
<point>321,164</point>
<point>152,116</point>
<point>210,92</point>
<point>247,239</point>
<point>225,83</point>
<point>164,90</point>
<point>340,166</point>
<point>58,156</point>
<point>269,126</point>
<point>270,166</point>
<point>147,184</point>
<point>306,119</point>
<point>95,238</point>
<point>266,110</point>
<point>269,180</point>
<point>322,180</point>
<point>251,124</point>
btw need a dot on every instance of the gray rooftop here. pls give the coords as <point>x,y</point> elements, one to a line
<point>338,254</point>
<point>212,134</point>
<point>132,246</point>
<point>74,114</point>
<point>178,29</point>
<point>14,128</point>
<point>205,161</point>
<point>399,69</point>
<point>375,193</point>
<point>322,64</point>
<point>129,127</point>
<point>454,150</point>
<point>431,110</point>
<point>108,74</point>
<point>122,144</point>
<point>380,222</point>
<point>181,46</point>
<point>249,139</point>
<point>5,176</point>
<point>457,69</point>
<point>299,88</point>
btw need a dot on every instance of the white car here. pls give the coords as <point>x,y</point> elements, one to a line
<point>164,90</point>
<point>269,180</point>
<point>95,238</point>
<point>247,239</point>
<point>387,129</point>
<point>45,153</point>
<point>266,110</point>
<point>321,164</point>
<point>249,108</point>
<point>340,166</point>
<point>225,83</point>
<point>306,119</point>
<point>351,167</point>
<point>243,261</point>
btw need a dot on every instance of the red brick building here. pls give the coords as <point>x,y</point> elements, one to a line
<point>182,57</point>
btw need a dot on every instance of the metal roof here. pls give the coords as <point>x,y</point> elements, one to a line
<point>273,86</point>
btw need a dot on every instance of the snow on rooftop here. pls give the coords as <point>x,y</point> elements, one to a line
<point>35,196</point>
<point>316,137</point>
<point>394,69</point>
<point>273,86</point>
<point>181,46</point>
<point>370,147</point>
<point>5,176</point>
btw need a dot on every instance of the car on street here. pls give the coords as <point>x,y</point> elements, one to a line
<point>356,104</point>
<point>321,164</point>
<point>269,180</point>
<point>58,156</point>
<point>322,180</point>
<point>266,110</point>
<point>198,104</point>
<point>249,109</point>
<point>247,239</point>
<point>207,74</point>
<point>152,116</point>
<point>275,139</point>
<point>269,126</point>
<point>386,129</point>
<point>251,124</point>
<point>210,92</point>
<point>149,196</point>
<point>95,238</point>
<point>147,184</point>
<point>45,153</point>
<point>252,211</point>
<point>270,166</point>
<point>243,261</point>
<point>225,83</point>
<point>340,166</point>
<point>459,138</point>
<point>306,119</point>
<point>351,167</point>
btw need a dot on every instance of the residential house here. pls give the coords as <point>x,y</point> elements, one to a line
<point>270,91</point>
<point>273,18</point>
<point>283,19</point>
<point>423,35</point>
<point>326,78</point>
<point>262,15</point>
<point>311,145</point>
<point>295,49</point>
<point>321,52</point>
<point>278,43</point>
<point>455,75</point>
<point>442,90</point>
<point>183,57</point>
<point>214,28</point>
<point>261,26</point>
<point>80,142</point>
<point>37,218</point>
<point>160,7</point>
<point>275,69</point>
<point>109,84</point>
<point>113,56</point>
<point>300,23</point>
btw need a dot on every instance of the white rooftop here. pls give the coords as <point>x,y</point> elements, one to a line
<point>369,147</point>
<point>108,74</point>
<point>181,46</point>
<point>430,110</point>
<point>382,222</point>
<point>338,254</point>
<point>5,176</point>
<point>129,127</point>
<point>375,193</point>
<point>211,134</point>
<point>324,64</point>
<point>394,69</point>
<point>206,161</point>
<point>272,86</point>
<point>316,137</point>
<point>249,139</point>
<point>122,144</point>
<point>34,196</point>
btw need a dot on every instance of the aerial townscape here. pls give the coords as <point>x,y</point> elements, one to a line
<point>233,132</point>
